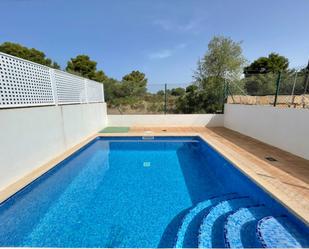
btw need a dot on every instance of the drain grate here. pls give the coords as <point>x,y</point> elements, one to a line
<point>271,159</point>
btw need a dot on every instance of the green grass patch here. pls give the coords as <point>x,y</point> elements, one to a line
<point>112,129</point>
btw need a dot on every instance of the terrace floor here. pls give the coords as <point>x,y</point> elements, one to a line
<point>287,179</point>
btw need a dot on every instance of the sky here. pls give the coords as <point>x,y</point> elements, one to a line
<point>162,38</point>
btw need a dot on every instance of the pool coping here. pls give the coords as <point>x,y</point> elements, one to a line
<point>238,161</point>
<point>264,185</point>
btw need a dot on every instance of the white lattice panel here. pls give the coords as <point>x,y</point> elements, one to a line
<point>23,83</point>
<point>94,92</point>
<point>70,88</point>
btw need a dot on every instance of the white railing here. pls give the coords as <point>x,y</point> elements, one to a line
<point>94,91</point>
<point>25,83</point>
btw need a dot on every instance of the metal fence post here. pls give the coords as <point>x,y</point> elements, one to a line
<point>306,83</point>
<point>277,88</point>
<point>165,98</point>
<point>225,94</point>
<point>293,89</point>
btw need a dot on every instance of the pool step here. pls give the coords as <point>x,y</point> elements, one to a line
<point>240,227</point>
<point>188,223</point>
<point>279,232</point>
<point>235,221</point>
<point>211,229</point>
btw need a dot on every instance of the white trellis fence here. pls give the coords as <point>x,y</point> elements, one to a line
<point>25,83</point>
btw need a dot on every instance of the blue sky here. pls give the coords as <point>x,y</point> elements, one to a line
<point>163,38</point>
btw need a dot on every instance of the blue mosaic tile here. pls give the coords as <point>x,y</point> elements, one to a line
<point>279,232</point>
<point>193,212</point>
<point>210,234</point>
<point>237,225</point>
<point>127,192</point>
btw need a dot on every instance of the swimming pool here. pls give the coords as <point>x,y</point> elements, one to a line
<point>147,192</point>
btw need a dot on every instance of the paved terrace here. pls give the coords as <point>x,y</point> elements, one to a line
<point>287,178</point>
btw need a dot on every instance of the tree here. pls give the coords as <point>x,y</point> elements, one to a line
<point>161,93</point>
<point>178,91</point>
<point>191,102</point>
<point>135,76</point>
<point>277,63</point>
<point>271,64</point>
<point>128,93</point>
<point>223,62</point>
<point>134,84</point>
<point>260,84</point>
<point>100,76</point>
<point>223,59</point>
<point>110,89</point>
<point>261,75</point>
<point>83,66</point>
<point>30,54</point>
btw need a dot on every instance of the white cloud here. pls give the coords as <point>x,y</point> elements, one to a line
<point>165,53</point>
<point>181,46</point>
<point>164,24</point>
<point>161,54</point>
<point>192,25</point>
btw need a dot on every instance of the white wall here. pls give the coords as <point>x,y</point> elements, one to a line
<point>166,120</point>
<point>30,137</point>
<point>287,129</point>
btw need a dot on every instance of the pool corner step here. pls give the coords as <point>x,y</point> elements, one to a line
<point>211,232</point>
<point>193,212</point>
<point>240,227</point>
<point>279,232</point>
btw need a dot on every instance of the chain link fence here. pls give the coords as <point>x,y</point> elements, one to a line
<point>284,89</point>
<point>288,89</point>
<point>157,99</point>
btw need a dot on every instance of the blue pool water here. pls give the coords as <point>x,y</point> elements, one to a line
<point>130,192</point>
